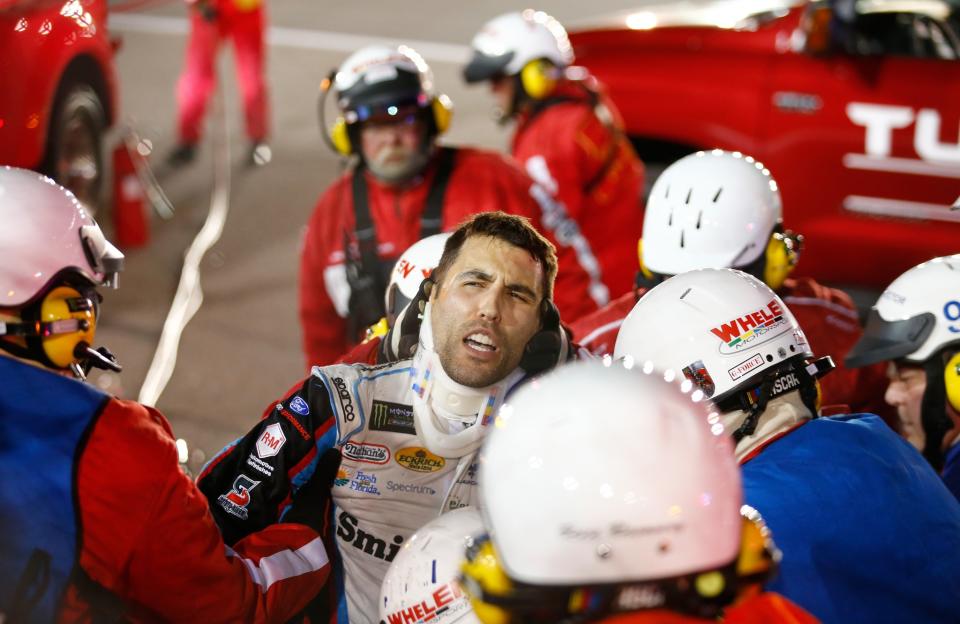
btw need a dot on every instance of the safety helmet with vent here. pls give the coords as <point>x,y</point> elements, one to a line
<point>577,528</point>
<point>421,584</point>
<point>711,209</point>
<point>507,44</point>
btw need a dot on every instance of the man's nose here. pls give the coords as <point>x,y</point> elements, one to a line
<point>894,394</point>
<point>489,304</point>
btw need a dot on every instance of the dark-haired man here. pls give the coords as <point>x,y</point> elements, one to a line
<point>396,444</point>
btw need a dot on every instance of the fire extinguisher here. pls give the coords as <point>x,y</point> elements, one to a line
<point>130,220</point>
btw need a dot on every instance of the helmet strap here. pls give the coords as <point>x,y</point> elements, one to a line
<point>933,410</point>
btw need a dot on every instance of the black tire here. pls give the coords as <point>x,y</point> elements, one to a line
<point>74,155</point>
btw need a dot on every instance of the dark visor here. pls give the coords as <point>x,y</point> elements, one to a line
<point>482,67</point>
<point>889,340</point>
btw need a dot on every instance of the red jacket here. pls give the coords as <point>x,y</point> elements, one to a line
<point>595,174</point>
<point>481,181</point>
<point>149,539</point>
<point>828,318</point>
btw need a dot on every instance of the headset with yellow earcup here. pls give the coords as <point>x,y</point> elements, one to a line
<point>780,258</point>
<point>56,331</point>
<point>951,381</point>
<point>539,78</point>
<point>337,136</point>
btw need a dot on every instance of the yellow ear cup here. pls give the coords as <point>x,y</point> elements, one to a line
<point>483,570</point>
<point>72,320</point>
<point>951,380</point>
<point>442,112</point>
<point>340,138</point>
<point>539,78</point>
<point>643,268</point>
<point>780,261</point>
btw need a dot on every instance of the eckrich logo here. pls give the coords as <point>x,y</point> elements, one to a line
<point>343,395</point>
<point>447,599</point>
<point>370,453</point>
<point>348,531</point>
<point>420,459</point>
<point>270,441</point>
<point>395,417</point>
<point>236,500</point>
<point>748,329</point>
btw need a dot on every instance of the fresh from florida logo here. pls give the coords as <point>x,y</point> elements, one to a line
<point>419,459</point>
<point>744,330</point>
<point>236,500</point>
<point>370,453</point>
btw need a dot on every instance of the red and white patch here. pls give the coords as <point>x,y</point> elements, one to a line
<point>270,441</point>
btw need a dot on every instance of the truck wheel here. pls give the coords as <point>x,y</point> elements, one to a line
<point>74,155</point>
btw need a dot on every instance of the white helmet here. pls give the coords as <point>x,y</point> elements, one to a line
<point>378,76</point>
<point>599,475</point>
<point>719,328</point>
<point>506,44</point>
<point>710,210</point>
<point>915,317</point>
<point>451,419</point>
<point>46,235</point>
<point>421,584</point>
<point>413,266</point>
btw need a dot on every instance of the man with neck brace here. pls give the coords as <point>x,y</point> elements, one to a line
<point>396,443</point>
<point>867,530</point>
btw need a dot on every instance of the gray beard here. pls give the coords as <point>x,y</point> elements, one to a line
<point>396,173</point>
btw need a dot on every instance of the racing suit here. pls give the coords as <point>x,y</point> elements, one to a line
<point>211,21</point>
<point>867,530</point>
<point>572,143</point>
<point>479,181</point>
<point>827,317</point>
<point>355,424</point>
<point>122,532</point>
<point>763,608</point>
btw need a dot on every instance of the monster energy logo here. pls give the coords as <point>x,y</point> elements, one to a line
<point>395,417</point>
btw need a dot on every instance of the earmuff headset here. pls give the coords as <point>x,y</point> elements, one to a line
<point>781,257</point>
<point>58,331</point>
<point>493,595</point>
<point>538,78</point>
<point>951,381</point>
<point>337,136</point>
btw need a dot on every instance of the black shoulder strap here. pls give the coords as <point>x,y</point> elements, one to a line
<point>431,220</point>
<point>364,229</point>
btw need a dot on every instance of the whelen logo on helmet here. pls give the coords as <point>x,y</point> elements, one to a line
<point>744,330</point>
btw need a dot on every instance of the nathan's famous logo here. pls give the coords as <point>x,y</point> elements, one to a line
<point>236,500</point>
<point>346,403</point>
<point>370,453</point>
<point>746,330</point>
<point>395,417</point>
<point>445,600</point>
<point>420,459</point>
<point>349,532</point>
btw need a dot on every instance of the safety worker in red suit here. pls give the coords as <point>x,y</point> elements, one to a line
<point>722,209</point>
<point>868,531</point>
<point>97,520</point>
<point>625,506</point>
<point>212,21</point>
<point>403,187</point>
<point>915,328</point>
<point>569,137</point>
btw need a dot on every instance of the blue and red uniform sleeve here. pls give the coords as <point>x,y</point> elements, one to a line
<point>150,541</point>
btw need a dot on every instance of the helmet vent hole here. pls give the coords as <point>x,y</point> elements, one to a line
<point>667,193</point>
<point>699,217</point>
<point>681,238</point>
<point>717,196</point>
<point>769,358</point>
<point>670,219</point>
<point>689,193</point>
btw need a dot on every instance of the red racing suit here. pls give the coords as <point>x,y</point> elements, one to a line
<point>480,181</point>
<point>587,162</point>
<point>212,21</point>
<point>764,608</point>
<point>828,318</point>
